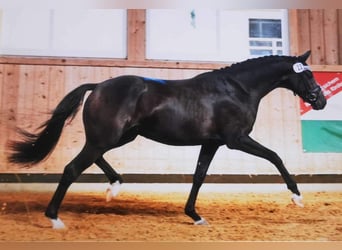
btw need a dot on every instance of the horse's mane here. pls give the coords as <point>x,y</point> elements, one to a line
<point>247,64</point>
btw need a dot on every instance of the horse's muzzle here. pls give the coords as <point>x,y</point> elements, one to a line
<point>319,103</point>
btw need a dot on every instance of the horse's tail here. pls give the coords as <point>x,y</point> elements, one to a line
<point>36,147</point>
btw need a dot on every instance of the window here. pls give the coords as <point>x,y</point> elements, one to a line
<point>265,37</point>
<point>209,35</point>
<point>77,33</point>
<point>264,28</point>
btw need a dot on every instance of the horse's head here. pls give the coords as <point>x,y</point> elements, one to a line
<point>303,83</point>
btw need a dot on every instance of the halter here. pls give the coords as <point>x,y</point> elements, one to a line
<point>312,94</point>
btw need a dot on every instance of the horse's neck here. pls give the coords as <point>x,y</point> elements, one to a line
<point>261,84</point>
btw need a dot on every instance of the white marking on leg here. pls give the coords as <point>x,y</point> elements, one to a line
<point>113,190</point>
<point>57,223</point>
<point>201,222</point>
<point>297,199</point>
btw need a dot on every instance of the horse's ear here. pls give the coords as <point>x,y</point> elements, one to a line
<point>305,56</point>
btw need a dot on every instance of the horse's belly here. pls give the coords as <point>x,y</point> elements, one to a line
<point>177,137</point>
<point>172,140</point>
<point>176,124</point>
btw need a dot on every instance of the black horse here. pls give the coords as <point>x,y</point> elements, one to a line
<point>212,109</point>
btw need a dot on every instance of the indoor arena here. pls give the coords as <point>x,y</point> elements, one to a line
<point>137,182</point>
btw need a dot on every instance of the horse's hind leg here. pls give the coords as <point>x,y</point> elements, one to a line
<point>111,174</point>
<point>72,171</point>
<point>115,179</point>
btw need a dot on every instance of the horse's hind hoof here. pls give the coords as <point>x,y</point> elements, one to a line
<point>201,222</point>
<point>297,199</point>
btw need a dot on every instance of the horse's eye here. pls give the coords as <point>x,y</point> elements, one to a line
<point>312,97</point>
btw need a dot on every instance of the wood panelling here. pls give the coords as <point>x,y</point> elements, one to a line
<point>29,92</point>
<point>136,36</point>
<point>317,36</point>
<point>30,87</point>
<point>318,30</point>
<point>330,27</point>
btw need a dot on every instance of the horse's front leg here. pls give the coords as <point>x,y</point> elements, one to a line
<point>248,145</point>
<point>206,155</point>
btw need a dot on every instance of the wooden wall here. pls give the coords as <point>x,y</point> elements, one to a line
<point>318,30</point>
<point>29,92</point>
<point>31,87</point>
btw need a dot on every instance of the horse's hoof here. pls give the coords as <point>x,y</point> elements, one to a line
<point>201,222</point>
<point>297,199</point>
<point>109,195</point>
<point>57,224</point>
<point>113,190</point>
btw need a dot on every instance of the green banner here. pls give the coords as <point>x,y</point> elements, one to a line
<point>322,136</point>
<point>322,129</point>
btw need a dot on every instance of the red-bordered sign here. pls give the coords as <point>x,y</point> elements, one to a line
<point>331,83</point>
